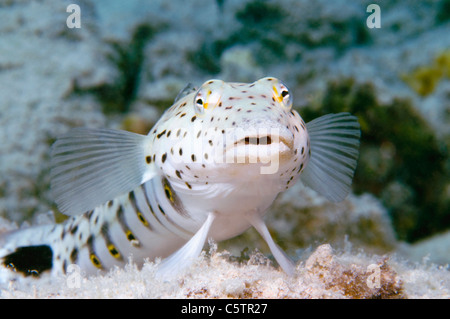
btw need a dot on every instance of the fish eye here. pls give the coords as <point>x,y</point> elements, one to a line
<point>208,96</point>
<point>283,95</point>
<point>199,103</point>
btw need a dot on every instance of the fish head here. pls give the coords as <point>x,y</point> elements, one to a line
<point>227,130</point>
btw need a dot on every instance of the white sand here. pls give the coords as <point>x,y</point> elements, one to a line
<point>325,274</point>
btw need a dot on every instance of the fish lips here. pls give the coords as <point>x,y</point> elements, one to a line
<point>259,149</point>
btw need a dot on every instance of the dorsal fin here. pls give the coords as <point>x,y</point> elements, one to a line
<point>92,166</point>
<point>188,89</point>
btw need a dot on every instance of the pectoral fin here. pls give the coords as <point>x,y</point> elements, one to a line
<point>334,152</point>
<point>92,166</point>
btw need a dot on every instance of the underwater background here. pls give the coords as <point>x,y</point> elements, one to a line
<point>129,59</point>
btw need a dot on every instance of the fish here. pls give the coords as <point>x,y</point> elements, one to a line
<point>209,169</point>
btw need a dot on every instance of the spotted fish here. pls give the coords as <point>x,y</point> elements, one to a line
<point>209,168</point>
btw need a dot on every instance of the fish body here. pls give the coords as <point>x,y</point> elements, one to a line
<point>209,168</point>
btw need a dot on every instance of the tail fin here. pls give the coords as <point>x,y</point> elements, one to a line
<point>26,251</point>
<point>334,152</point>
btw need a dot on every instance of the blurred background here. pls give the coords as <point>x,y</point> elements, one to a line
<point>129,60</point>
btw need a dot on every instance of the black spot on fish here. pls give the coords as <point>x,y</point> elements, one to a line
<point>161,134</point>
<point>130,236</point>
<point>63,234</point>
<point>142,218</point>
<point>30,260</point>
<point>74,230</point>
<point>74,255</point>
<point>113,251</point>
<point>95,261</point>
<point>161,210</point>
<point>168,193</point>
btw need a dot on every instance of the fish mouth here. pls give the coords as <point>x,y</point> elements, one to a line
<point>264,140</point>
<point>260,149</point>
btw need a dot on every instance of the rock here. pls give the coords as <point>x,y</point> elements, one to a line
<point>434,250</point>
<point>354,280</point>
